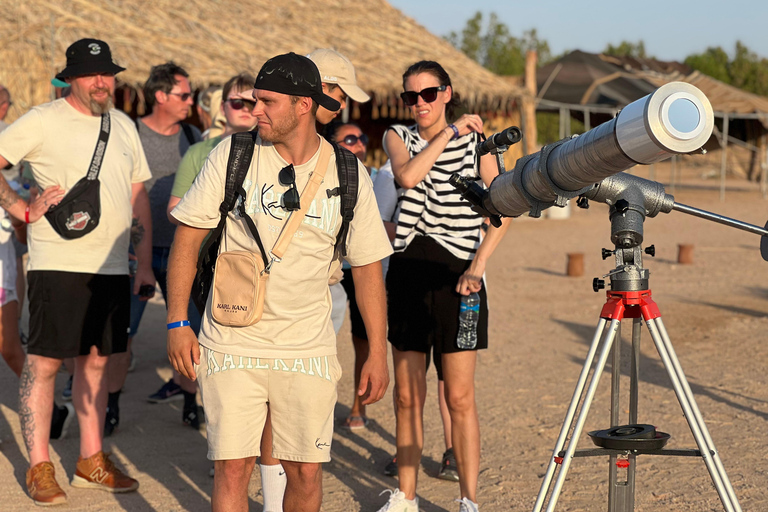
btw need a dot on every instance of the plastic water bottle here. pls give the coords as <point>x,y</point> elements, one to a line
<point>469,314</point>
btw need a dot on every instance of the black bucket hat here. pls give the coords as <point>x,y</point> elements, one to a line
<point>295,75</point>
<point>88,56</point>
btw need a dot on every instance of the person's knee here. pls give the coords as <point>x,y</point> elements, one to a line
<point>460,400</point>
<point>43,367</point>
<point>408,398</point>
<point>308,474</point>
<point>234,470</point>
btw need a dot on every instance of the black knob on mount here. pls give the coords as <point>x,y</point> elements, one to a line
<point>582,202</point>
<point>598,284</point>
<point>651,251</point>
<point>622,205</point>
<point>606,253</point>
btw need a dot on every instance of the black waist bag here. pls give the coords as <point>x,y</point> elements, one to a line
<point>79,211</point>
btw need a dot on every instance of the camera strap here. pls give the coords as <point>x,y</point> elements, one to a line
<point>101,148</point>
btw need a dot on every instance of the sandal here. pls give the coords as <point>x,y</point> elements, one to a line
<point>356,422</point>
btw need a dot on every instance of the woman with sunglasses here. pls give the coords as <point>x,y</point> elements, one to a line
<point>438,258</point>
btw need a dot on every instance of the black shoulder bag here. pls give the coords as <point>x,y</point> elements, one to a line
<point>79,211</point>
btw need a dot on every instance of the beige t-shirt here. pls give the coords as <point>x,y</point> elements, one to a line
<point>297,310</point>
<point>58,141</point>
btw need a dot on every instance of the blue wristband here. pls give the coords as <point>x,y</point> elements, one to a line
<point>181,323</point>
<point>455,131</point>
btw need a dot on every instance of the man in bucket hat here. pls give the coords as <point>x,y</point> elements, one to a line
<point>289,356</point>
<point>78,286</point>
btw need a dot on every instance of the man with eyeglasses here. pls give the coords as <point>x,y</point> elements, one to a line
<point>79,295</point>
<point>289,356</point>
<point>165,139</point>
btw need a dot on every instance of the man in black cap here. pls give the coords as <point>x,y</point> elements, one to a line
<point>288,358</point>
<point>78,284</point>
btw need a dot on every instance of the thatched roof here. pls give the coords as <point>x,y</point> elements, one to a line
<point>214,39</point>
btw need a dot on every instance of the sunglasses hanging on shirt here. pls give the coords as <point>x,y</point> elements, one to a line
<point>291,198</point>
<point>238,104</point>
<point>410,98</point>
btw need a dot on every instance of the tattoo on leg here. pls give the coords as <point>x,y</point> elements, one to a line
<point>137,232</point>
<point>26,417</point>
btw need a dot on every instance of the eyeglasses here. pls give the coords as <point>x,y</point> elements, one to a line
<point>238,104</point>
<point>351,140</point>
<point>183,96</point>
<point>291,198</point>
<point>410,98</point>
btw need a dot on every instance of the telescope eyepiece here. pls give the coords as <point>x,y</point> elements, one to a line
<point>507,137</point>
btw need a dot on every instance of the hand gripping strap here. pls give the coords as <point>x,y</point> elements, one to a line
<point>347,168</point>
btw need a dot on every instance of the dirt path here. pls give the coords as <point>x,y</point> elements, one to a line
<point>716,312</point>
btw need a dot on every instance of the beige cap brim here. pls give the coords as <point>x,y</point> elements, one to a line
<point>355,92</point>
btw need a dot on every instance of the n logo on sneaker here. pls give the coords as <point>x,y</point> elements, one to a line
<point>98,475</point>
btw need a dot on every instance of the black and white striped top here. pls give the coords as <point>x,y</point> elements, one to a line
<point>433,207</point>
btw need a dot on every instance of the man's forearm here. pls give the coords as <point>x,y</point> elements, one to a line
<point>10,201</point>
<point>372,302</point>
<point>141,228</point>
<point>182,266</point>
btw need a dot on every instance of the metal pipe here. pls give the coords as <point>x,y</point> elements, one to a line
<point>720,219</point>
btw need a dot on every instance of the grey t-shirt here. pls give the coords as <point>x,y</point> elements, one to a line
<point>164,154</point>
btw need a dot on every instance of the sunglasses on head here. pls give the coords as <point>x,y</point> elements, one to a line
<point>291,198</point>
<point>183,96</point>
<point>238,103</point>
<point>351,140</point>
<point>410,98</point>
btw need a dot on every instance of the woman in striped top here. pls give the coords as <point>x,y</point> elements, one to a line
<point>439,257</point>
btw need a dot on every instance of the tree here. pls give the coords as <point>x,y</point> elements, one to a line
<point>495,48</point>
<point>627,49</point>
<point>746,70</point>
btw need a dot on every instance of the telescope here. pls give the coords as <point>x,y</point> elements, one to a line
<point>677,118</point>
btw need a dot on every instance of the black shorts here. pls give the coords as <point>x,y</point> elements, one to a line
<point>69,312</point>
<point>423,306</point>
<point>358,326</point>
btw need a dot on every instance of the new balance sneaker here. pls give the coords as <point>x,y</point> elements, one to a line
<point>391,468</point>
<point>448,467</point>
<point>66,393</point>
<point>98,472</point>
<point>170,391</point>
<point>398,503</point>
<point>467,505</point>
<point>42,485</point>
<point>61,419</point>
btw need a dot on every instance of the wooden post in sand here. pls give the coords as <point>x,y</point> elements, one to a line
<point>685,254</point>
<point>575,264</point>
<point>529,104</point>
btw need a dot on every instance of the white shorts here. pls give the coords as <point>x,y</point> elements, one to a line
<point>301,394</point>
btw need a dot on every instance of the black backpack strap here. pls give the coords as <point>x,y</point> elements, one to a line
<point>188,133</point>
<point>347,169</point>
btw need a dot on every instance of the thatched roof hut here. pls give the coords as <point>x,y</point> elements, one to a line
<point>214,39</point>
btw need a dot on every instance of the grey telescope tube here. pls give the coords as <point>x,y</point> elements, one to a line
<point>677,118</point>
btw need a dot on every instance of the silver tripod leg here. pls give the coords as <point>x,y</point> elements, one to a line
<point>693,415</point>
<point>607,342</point>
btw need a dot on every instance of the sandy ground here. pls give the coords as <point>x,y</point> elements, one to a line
<point>716,312</point>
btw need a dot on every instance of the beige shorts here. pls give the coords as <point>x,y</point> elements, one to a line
<point>301,394</point>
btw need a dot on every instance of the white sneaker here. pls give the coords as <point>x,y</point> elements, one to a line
<point>467,505</point>
<point>398,503</point>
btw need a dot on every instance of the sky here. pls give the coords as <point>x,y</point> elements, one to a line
<point>671,29</point>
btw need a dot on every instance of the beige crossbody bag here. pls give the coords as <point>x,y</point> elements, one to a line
<point>240,277</point>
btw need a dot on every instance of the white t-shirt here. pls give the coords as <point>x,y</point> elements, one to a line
<point>58,141</point>
<point>297,310</point>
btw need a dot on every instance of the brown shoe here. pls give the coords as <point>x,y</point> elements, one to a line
<point>42,486</point>
<point>98,472</point>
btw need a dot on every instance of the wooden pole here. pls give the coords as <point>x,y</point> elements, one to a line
<point>530,134</point>
<point>723,162</point>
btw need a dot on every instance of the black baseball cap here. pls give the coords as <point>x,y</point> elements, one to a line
<point>295,75</point>
<point>88,56</point>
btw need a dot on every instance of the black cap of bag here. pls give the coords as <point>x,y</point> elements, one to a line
<point>87,57</point>
<point>295,75</point>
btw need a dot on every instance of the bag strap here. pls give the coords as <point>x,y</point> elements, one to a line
<point>310,189</point>
<point>347,168</point>
<point>188,133</point>
<point>101,147</point>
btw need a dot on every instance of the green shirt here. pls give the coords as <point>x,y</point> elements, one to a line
<point>191,164</point>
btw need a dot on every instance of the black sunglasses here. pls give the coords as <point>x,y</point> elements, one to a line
<point>351,140</point>
<point>238,103</point>
<point>183,96</point>
<point>291,198</point>
<point>410,98</point>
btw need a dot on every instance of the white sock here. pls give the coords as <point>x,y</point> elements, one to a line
<point>273,482</point>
